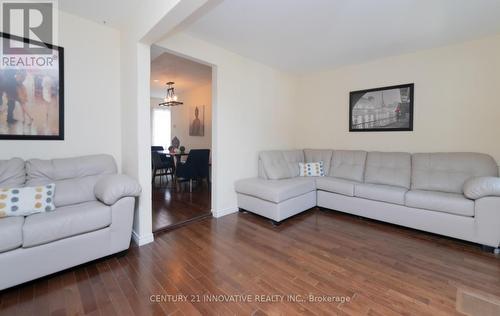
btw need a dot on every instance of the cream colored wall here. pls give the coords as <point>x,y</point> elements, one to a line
<point>92,108</point>
<point>253,110</point>
<point>183,115</point>
<point>457,103</point>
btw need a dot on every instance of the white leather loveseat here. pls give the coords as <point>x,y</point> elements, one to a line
<point>452,194</point>
<point>93,216</point>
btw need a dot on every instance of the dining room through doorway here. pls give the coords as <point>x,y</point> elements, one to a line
<point>181,140</point>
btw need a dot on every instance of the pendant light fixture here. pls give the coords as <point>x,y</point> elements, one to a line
<point>171,98</point>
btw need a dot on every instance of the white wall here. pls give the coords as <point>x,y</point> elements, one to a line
<point>183,115</point>
<point>92,95</point>
<point>457,107</point>
<point>252,111</point>
<point>136,129</point>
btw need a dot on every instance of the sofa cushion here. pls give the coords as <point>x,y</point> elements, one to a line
<point>11,233</point>
<point>390,168</point>
<point>381,192</point>
<point>315,155</point>
<point>293,157</point>
<point>336,185</point>
<point>348,164</point>
<point>65,222</point>
<point>448,172</point>
<point>452,203</point>
<point>274,164</point>
<point>261,172</point>
<point>12,173</point>
<point>281,164</point>
<point>275,190</point>
<point>75,178</point>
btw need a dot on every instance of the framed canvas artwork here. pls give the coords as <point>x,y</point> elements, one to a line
<point>31,90</point>
<point>197,121</point>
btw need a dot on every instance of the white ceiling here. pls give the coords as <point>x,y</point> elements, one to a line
<point>310,35</point>
<point>185,73</point>
<point>114,13</point>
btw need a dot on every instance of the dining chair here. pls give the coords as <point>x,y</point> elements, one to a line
<point>163,165</point>
<point>157,148</point>
<point>195,168</point>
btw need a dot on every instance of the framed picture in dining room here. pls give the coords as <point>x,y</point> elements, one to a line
<point>31,89</point>
<point>382,109</point>
<point>197,121</point>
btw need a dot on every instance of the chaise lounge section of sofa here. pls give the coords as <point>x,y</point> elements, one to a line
<point>452,194</point>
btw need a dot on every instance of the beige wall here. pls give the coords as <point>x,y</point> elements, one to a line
<point>183,115</point>
<point>457,102</point>
<point>92,109</point>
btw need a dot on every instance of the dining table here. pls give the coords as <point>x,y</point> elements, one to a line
<point>178,156</point>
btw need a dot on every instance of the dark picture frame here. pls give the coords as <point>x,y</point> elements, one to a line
<point>59,86</point>
<point>384,109</point>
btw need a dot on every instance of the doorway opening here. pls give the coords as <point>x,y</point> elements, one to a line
<point>181,140</point>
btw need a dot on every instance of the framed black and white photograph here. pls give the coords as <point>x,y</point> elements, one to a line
<point>382,109</point>
<point>31,89</point>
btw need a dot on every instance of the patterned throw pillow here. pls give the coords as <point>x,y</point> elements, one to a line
<point>312,169</point>
<point>26,201</point>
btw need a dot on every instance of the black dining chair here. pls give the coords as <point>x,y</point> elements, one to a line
<point>195,168</point>
<point>157,148</point>
<point>163,165</point>
<point>164,158</point>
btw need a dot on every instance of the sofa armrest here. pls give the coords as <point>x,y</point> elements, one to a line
<point>479,187</point>
<point>111,188</point>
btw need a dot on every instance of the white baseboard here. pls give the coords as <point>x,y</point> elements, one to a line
<point>142,240</point>
<point>224,211</point>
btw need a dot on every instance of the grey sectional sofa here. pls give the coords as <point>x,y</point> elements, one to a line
<point>93,216</point>
<point>452,194</point>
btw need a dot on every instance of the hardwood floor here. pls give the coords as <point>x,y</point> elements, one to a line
<point>381,269</point>
<point>172,207</point>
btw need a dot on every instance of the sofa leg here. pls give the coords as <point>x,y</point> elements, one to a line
<point>486,248</point>
<point>490,249</point>
<point>121,253</point>
<point>275,223</point>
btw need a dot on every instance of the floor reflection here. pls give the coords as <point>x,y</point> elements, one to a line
<point>174,204</point>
